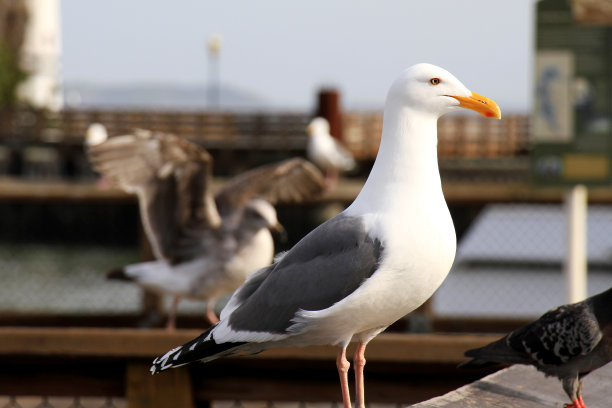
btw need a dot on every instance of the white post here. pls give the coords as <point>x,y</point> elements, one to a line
<point>576,257</point>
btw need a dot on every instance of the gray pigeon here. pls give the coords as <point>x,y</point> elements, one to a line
<point>567,342</point>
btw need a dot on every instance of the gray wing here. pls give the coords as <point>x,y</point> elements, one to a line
<point>559,335</point>
<point>291,180</point>
<point>171,177</point>
<point>323,268</point>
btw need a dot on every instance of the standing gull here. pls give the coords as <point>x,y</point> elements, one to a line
<point>205,245</point>
<point>326,152</point>
<point>567,342</point>
<point>362,270</point>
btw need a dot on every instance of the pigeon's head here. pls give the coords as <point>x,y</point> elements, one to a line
<point>318,126</point>
<point>259,214</point>
<point>434,90</point>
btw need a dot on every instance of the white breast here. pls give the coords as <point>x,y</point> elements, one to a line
<point>257,253</point>
<point>419,249</point>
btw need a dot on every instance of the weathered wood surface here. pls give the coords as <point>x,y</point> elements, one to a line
<point>524,387</point>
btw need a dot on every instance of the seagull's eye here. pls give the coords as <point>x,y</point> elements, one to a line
<point>434,81</point>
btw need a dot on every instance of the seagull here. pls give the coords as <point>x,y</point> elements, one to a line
<point>326,151</point>
<point>360,271</point>
<point>567,342</point>
<point>205,245</point>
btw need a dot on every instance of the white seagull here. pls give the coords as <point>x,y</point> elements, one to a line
<point>326,151</point>
<point>205,245</point>
<point>362,270</point>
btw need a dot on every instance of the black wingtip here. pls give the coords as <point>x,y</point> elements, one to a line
<point>203,347</point>
<point>117,274</point>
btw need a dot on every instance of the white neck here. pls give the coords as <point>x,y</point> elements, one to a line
<point>406,166</point>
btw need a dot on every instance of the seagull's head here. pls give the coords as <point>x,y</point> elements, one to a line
<point>96,134</point>
<point>259,213</point>
<point>432,89</point>
<point>317,126</point>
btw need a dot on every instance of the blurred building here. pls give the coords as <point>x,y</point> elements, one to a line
<point>40,55</point>
<point>572,109</point>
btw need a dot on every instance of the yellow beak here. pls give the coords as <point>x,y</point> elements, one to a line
<point>480,104</point>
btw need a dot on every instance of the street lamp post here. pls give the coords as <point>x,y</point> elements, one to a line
<point>214,71</point>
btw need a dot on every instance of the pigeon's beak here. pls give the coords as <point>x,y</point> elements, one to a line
<point>279,231</point>
<point>481,104</point>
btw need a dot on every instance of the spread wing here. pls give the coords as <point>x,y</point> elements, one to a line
<point>171,177</point>
<point>292,180</point>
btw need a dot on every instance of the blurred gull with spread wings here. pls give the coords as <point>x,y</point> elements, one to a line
<point>205,244</point>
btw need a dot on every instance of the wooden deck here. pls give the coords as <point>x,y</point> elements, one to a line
<point>524,387</point>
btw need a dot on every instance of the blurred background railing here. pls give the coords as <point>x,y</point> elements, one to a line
<point>44,144</point>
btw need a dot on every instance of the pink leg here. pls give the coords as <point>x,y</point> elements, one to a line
<point>211,316</point>
<point>343,366</point>
<point>171,324</point>
<point>575,404</point>
<point>358,364</point>
<point>331,178</point>
<point>581,402</point>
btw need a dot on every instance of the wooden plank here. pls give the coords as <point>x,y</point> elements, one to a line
<point>456,192</point>
<point>12,189</point>
<point>143,390</point>
<point>388,347</point>
<point>523,387</point>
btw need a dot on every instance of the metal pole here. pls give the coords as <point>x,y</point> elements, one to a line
<point>576,258</point>
<point>214,71</point>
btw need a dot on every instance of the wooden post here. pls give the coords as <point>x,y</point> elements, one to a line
<point>576,257</point>
<point>171,388</point>
<point>329,108</point>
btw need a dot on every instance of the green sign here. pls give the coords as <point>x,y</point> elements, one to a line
<point>572,113</point>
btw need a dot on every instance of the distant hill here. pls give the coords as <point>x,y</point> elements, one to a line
<point>155,96</point>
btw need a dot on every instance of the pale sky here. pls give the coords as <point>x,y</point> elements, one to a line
<point>285,50</point>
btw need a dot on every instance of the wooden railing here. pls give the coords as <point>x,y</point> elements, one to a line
<point>114,363</point>
<point>466,137</point>
<point>459,136</point>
